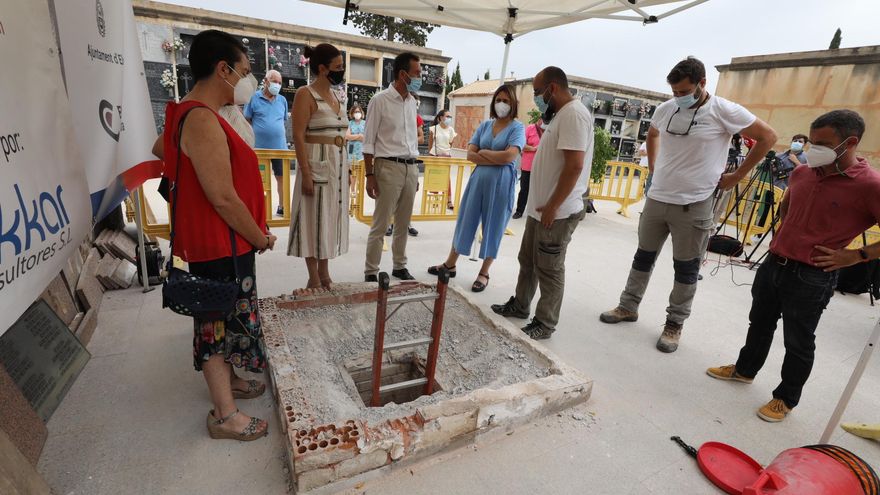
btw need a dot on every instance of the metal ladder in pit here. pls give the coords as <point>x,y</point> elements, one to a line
<point>433,342</point>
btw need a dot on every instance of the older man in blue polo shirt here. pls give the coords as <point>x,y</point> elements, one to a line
<point>267,113</point>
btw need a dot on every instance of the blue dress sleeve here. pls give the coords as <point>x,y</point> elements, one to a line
<point>517,136</point>
<point>478,134</point>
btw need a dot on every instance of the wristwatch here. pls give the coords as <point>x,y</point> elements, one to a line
<point>863,254</point>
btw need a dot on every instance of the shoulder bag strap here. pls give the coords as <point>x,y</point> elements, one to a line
<point>174,201</point>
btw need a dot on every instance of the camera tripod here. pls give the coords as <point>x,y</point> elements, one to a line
<point>754,198</point>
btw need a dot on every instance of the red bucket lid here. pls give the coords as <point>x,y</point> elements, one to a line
<point>727,467</point>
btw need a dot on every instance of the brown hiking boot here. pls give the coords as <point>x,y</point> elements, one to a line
<point>668,341</point>
<point>727,373</point>
<point>618,315</point>
<point>774,411</point>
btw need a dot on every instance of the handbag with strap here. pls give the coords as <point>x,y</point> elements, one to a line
<point>192,295</point>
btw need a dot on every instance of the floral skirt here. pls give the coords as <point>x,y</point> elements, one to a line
<point>239,339</point>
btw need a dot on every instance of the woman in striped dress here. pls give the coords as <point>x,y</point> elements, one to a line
<point>319,210</point>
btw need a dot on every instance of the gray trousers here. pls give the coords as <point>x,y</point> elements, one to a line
<point>542,264</point>
<point>398,183</point>
<point>690,226</point>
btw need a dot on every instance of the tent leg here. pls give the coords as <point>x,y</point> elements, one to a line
<point>851,386</point>
<point>504,62</point>
<point>145,277</point>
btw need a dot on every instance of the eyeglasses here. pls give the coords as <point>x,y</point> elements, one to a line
<point>678,132</point>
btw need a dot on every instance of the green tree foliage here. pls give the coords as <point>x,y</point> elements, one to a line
<point>835,41</point>
<point>602,152</point>
<point>456,77</point>
<point>392,28</point>
<point>534,115</point>
<point>486,76</point>
<point>454,82</point>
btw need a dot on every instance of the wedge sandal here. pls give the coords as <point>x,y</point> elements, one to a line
<point>250,433</point>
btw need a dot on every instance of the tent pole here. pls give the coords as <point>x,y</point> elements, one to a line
<point>142,252</point>
<point>507,41</point>
<point>851,386</point>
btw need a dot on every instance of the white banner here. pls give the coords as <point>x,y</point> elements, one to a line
<point>44,200</point>
<point>109,100</point>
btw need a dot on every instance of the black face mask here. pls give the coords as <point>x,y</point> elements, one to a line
<point>336,77</point>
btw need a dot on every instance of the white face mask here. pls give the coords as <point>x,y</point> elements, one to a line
<point>502,110</point>
<point>358,116</point>
<point>244,89</point>
<point>820,156</point>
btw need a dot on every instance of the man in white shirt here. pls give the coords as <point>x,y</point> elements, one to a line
<point>555,205</point>
<point>687,151</point>
<point>391,151</point>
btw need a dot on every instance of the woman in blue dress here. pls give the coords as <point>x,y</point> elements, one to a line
<point>489,195</point>
<point>355,138</point>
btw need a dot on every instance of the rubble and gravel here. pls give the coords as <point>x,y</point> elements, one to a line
<point>474,354</point>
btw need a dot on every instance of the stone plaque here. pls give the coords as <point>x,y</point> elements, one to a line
<point>43,357</point>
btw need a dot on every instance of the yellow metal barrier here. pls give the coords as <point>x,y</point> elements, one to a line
<point>148,221</point>
<point>747,214</point>
<point>264,158</point>
<point>623,183</point>
<point>872,235</point>
<point>434,191</point>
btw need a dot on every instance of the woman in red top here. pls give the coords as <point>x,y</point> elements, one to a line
<point>533,139</point>
<point>219,194</point>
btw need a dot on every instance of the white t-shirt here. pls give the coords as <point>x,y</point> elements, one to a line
<point>570,129</point>
<point>442,145</point>
<point>688,168</point>
<point>643,161</point>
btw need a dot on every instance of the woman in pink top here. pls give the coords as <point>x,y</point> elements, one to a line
<point>533,138</point>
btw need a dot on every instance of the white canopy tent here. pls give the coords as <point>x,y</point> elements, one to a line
<point>511,19</point>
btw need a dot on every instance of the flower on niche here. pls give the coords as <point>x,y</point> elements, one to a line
<point>168,80</point>
<point>175,44</point>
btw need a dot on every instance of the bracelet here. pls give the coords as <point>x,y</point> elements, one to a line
<point>267,242</point>
<point>369,175</point>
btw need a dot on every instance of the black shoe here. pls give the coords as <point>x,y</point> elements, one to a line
<point>537,331</point>
<point>402,274</point>
<point>371,278</point>
<point>412,232</point>
<point>517,215</point>
<point>510,308</point>
<point>280,211</point>
<point>389,231</point>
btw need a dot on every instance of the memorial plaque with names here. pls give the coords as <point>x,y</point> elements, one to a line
<point>360,94</point>
<point>387,72</point>
<point>632,111</point>
<point>43,357</point>
<point>606,100</point>
<point>643,129</point>
<point>159,95</point>
<point>289,55</point>
<point>433,78</point>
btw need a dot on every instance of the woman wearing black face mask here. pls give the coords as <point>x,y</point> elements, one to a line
<point>319,213</point>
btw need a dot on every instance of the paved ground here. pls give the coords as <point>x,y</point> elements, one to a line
<point>134,421</point>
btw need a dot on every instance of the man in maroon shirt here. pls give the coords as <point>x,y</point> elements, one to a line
<point>827,204</point>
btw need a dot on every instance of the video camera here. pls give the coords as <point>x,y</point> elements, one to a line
<point>773,165</point>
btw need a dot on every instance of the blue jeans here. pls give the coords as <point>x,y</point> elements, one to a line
<point>799,294</point>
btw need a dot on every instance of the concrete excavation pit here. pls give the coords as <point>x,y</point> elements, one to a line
<point>490,378</point>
